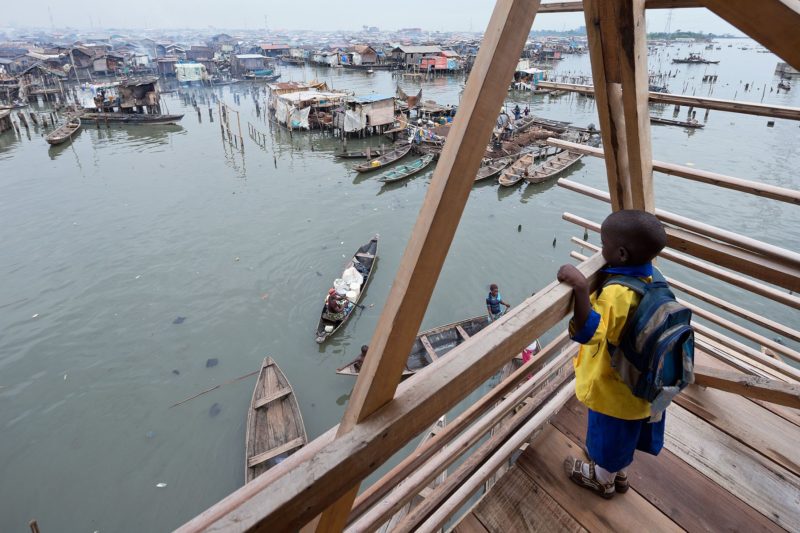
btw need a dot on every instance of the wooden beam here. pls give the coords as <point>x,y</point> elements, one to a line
<point>576,6</point>
<point>717,104</point>
<point>773,23</point>
<point>779,349</point>
<point>269,454</point>
<point>790,373</point>
<point>412,474</point>
<point>428,348</point>
<point>272,397</point>
<point>728,182</point>
<point>774,253</point>
<point>475,481</point>
<point>412,463</point>
<point>462,332</point>
<point>706,268</point>
<point>618,51</point>
<point>780,329</point>
<point>299,489</point>
<point>436,224</point>
<point>756,387</point>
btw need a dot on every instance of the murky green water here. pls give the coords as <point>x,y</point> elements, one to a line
<point>108,241</point>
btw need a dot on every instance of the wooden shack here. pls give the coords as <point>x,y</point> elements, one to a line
<point>365,114</point>
<point>730,463</point>
<point>241,64</point>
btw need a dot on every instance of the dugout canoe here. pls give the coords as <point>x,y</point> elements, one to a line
<point>432,344</point>
<point>683,123</point>
<point>493,168</point>
<point>131,118</point>
<point>552,166</point>
<point>64,132</point>
<point>275,428</point>
<point>514,174</point>
<point>366,254</point>
<point>360,154</point>
<point>404,171</point>
<point>384,160</point>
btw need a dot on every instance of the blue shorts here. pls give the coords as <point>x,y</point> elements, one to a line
<point>611,441</point>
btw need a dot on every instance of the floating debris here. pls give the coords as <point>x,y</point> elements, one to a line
<point>212,362</point>
<point>214,410</point>
<point>179,320</point>
<point>176,372</point>
<point>35,315</point>
<point>161,485</point>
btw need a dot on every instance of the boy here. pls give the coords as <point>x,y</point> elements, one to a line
<point>493,303</point>
<point>618,420</point>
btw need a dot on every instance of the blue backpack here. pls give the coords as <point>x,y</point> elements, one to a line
<point>655,356</point>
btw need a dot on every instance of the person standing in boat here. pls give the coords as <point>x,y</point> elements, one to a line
<point>493,303</point>
<point>527,111</point>
<point>517,112</point>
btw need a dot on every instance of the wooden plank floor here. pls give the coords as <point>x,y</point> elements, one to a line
<point>728,464</point>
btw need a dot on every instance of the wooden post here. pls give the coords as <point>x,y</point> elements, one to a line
<point>436,225</point>
<point>618,52</point>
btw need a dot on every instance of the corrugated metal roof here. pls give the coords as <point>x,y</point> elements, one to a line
<point>372,97</point>
<point>419,49</point>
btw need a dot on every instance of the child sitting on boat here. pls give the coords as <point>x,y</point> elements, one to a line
<point>619,422</point>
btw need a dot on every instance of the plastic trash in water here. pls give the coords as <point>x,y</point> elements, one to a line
<point>161,485</point>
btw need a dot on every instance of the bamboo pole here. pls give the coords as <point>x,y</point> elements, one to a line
<point>728,182</point>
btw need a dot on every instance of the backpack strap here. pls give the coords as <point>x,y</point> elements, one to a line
<point>635,284</point>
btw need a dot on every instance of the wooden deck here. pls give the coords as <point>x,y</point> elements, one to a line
<point>728,464</point>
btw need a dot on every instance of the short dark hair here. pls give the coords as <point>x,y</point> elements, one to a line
<point>640,232</point>
<point>364,348</point>
<point>493,286</point>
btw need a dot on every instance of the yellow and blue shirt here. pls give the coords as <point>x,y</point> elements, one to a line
<point>597,384</point>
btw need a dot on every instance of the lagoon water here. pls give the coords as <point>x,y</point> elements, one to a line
<point>134,255</point>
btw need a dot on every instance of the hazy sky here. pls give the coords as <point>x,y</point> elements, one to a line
<point>443,15</point>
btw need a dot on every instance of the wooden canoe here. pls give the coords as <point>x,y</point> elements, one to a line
<point>552,166</point>
<point>131,118</point>
<point>432,344</point>
<point>404,171</point>
<point>366,254</point>
<point>682,123</point>
<point>386,159</point>
<point>415,500</point>
<point>514,174</point>
<point>64,132</point>
<point>361,154</point>
<point>275,427</point>
<point>493,168</point>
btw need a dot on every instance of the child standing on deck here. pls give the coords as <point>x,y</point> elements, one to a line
<point>619,422</point>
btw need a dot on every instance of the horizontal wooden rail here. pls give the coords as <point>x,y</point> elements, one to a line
<point>728,182</point>
<point>706,268</point>
<point>786,371</point>
<point>543,385</point>
<point>411,464</point>
<point>755,387</point>
<point>717,104</point>
<point>755,318</point>
<point>777,348</point>
<point>775,253</point>
<point>736,360</point>
<point>474,483</point>
<point>300,490</point>
<point>577,6</point>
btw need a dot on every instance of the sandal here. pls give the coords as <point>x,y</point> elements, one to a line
<point>620,480</point>
<point>573,468</point>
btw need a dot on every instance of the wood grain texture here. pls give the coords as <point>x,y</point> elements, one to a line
<point>751,477</point>
<point>690,499</point>
<point>543,462</point>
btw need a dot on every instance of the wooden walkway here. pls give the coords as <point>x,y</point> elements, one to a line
<point>728,464</point>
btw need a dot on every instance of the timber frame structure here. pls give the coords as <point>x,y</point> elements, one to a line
<point>736,428</point>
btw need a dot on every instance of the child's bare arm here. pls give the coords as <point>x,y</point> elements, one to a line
<point>572,276</point>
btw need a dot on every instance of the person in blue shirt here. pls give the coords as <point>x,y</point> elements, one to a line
<point>494,301</point>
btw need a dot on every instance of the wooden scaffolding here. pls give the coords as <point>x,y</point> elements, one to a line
<point>735,427</point>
